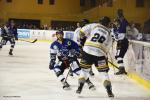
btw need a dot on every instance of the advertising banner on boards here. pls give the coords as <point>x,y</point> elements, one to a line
<point>23,33</point>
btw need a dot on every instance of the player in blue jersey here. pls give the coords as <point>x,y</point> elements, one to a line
<point>119,34</point>
<point>63,54</point>
<point>9,33</point>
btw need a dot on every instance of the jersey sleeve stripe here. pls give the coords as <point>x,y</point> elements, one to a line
<point>83,32</point>
<point>53,51</point>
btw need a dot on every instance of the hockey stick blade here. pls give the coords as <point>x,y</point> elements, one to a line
<point>29,41</point>
<point>34,41</point>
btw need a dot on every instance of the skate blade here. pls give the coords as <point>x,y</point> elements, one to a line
<point>67,88</point>
<point>111,98</point>
<point>10,55</point>
<point>79,95</point>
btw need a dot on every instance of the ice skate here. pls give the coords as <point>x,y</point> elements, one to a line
<point>121,71</point>
<point>10,52</point>
<point>90,85</point>
<point>66,86</point>
<point>80,87</point>
<point>109,92</point>
<point>107,85</point>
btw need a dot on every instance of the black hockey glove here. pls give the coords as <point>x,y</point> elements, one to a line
<point>51,64</point>
<point>52,61</point>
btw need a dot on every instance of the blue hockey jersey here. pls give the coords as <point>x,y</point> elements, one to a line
<point>64,50</point>
<point>119,33</point>
<point>9,31</point>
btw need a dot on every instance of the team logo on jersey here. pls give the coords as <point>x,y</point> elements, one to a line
<point>55,47</point>
<point>69,43</point>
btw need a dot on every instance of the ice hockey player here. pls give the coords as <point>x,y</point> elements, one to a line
<point>81,41</point>
<point>77,39</point>
<point>119,34</point>
<point>98,40</point>
<point>9,33</point>
<point>63,54</point>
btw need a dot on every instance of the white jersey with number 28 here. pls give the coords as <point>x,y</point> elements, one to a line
<point>98,39</point>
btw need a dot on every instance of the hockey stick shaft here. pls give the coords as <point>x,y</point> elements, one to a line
<point>113,64</point>
<point>28,40</point>
<point>68,71</point>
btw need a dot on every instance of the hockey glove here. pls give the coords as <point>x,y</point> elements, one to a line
<point>52,61</point>
<point>51,64</point>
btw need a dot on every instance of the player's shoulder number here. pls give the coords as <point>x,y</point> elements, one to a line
<point>98,38</point>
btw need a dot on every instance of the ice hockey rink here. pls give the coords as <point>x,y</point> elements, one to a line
<point>26,76</point>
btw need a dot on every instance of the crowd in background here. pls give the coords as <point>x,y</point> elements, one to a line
<point>133,29</point>
<point>46,27</point>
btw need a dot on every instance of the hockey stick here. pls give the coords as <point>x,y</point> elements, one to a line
<point>106,55</point>
<point>68,71</point>
<point>28,40</point>
<point>112,49</point>
<point>113,64</point>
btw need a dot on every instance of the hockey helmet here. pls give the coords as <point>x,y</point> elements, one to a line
<point>105,21</point>
<point>59,32</point>
<point>120,13</point>
<point>84,22</point>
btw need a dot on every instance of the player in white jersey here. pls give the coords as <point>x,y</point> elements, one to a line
<point>81,41</point>
<point>77,39</point>
<point>76,33</point>
<point>95,51</point>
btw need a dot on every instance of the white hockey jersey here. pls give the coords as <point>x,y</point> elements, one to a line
<point>76,37</point>
<point>98,39</point>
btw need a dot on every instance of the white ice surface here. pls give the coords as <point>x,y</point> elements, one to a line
<point>26,76</point>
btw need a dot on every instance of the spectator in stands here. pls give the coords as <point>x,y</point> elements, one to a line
<point>78,25</point>
<point>132,31</point>
<point>146,30</point>
<point>45,27</point>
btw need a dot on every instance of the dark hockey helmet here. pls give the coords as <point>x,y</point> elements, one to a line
<point>59,32</point>
<point>105,21</point>
<point>84,22</point>
<point>7,24</point>
<point>120,13</point>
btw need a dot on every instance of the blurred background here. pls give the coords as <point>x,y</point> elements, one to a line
<point>41,18</point>
<point>65,13</point>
